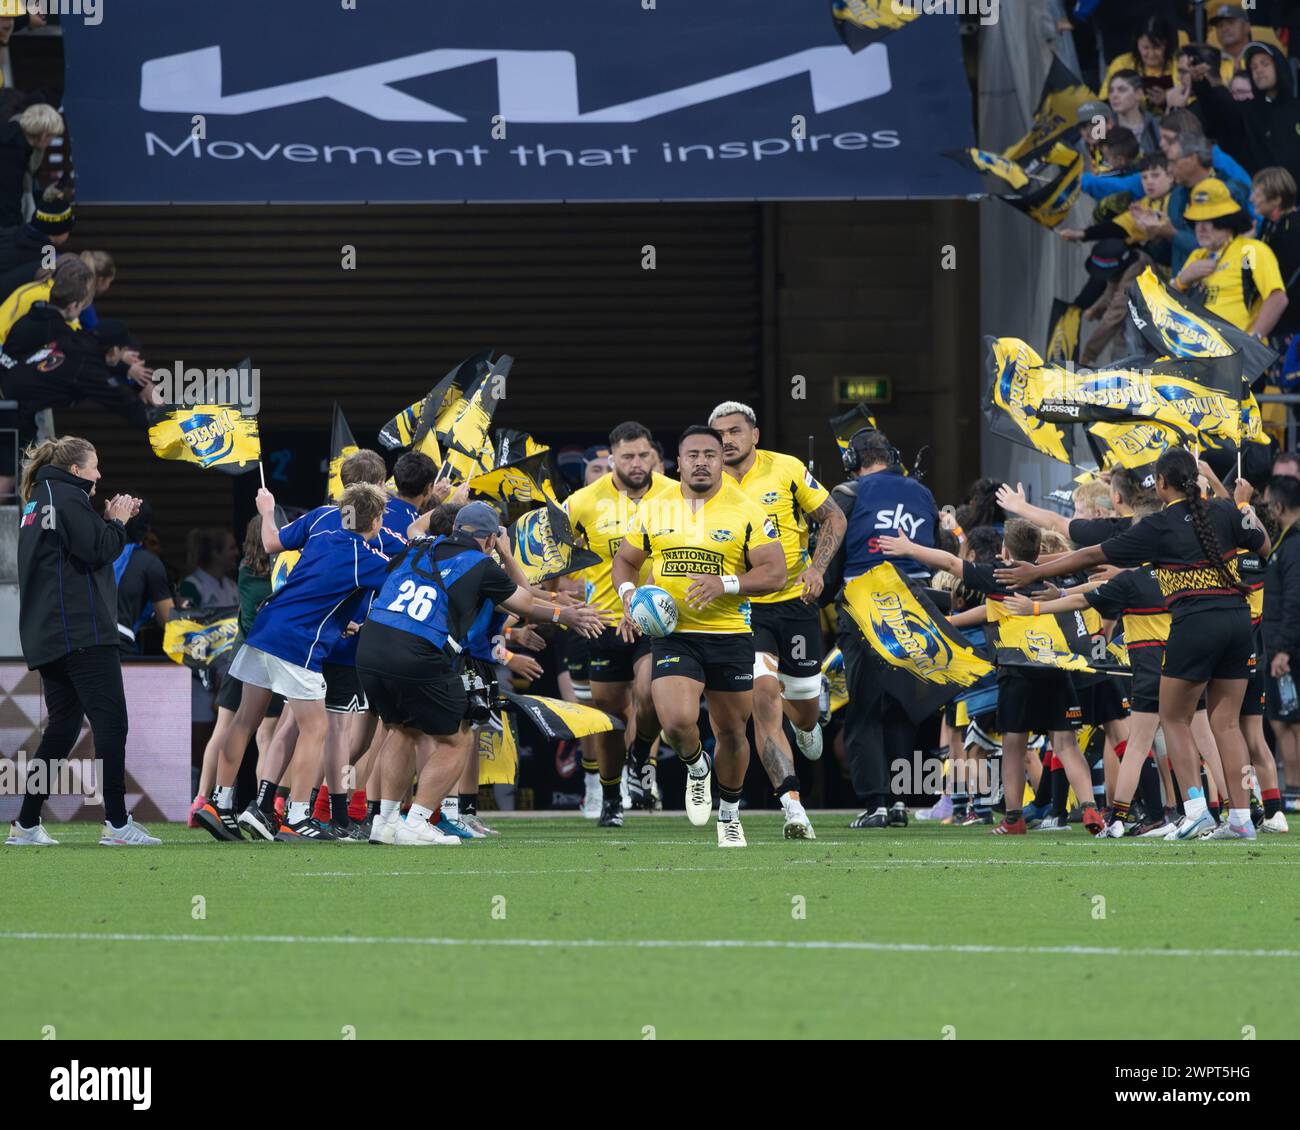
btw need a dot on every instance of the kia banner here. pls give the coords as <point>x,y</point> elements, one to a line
<point>583,100</point>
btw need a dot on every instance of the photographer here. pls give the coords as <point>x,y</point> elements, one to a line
<point>67,621</point>
<point>410,661</point>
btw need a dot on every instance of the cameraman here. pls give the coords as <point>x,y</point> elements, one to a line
<point>410,661</point>
<point>879,499</point>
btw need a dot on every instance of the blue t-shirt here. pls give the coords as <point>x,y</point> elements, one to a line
<point>302,622</point>
<point>887,503</point>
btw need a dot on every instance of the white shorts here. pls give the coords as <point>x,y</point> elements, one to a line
<point>259,669</point>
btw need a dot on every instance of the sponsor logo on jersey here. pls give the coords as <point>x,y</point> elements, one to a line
<point>685,560</point>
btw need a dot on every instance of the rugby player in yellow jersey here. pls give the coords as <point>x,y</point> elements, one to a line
<point>786,624</point>
<point>619,670</point>
<point>712,549</point>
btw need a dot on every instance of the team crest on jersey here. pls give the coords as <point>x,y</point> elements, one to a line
<point>721,535</point>
<point>770,497</point>
<point>46,360</point>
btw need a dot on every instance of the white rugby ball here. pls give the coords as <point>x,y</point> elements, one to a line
<point>653,610</point>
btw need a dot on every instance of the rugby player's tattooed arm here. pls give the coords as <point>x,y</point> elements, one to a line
<point>831,524</point>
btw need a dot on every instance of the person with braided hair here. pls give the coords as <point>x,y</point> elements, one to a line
<point>1192,543</point>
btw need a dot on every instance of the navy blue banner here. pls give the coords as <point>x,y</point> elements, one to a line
<point>467,100</point>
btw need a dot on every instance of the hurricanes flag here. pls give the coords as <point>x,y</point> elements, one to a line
<point>198,639</point>
<point>1135,446</point>
<point>401,430</point>
<point>836,680</point>
<point>498,753</point>
<point>1066,641</point>
<point>558,720</point>
<point>342,444</point>
<point>1063,333</point>
<point>864,22</point>
<point>922,662</point>
<point>847,424</point>
<point>1058,110</point>
<point>519,486</point>
<point>462,429</point>
<point>1013,396</point>
<point>220,436</point>
<point>542,542</point>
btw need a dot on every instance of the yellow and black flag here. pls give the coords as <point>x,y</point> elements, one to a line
<point>219,436</point>
<point>864,22</point>
<point>562,721</point>
<point>1175,325</point>
<point>402,429</point>
<point>1043,184</point>
<point>342,444</point>
<point>1066,641</point>
<point>543,544</point>
<point>923,662</point>
<point>462,429</point>
<point>200,639</point>
<point>522,485</point>
<point>1058,110</point>
<point>849,423</point>
<point>498,753</point>
<point>1135,445</point>
<point>1013,396</point>
<point>1063,332</point>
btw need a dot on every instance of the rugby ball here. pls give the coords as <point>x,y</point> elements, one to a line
<point>653,611</point>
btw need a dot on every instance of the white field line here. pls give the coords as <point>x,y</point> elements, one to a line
<point>641,943</point>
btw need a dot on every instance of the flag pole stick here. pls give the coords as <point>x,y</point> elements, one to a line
<point>261,474</point>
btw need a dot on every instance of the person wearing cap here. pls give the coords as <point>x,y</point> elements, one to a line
<point>23,248</point>
<point>1231,32</point>
<point>411,655</point>
<point>1235,276</point>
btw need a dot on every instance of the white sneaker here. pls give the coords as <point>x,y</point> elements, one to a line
<point>383,829</point>
<point>1115,830</point>
<point>1189,829</point>
<point>1054,824</point>
<point>1275,823</point>
<point>1226,831</point>
<point>624,792</point>
<point>699,797</point>
<point>1160,832</point>
<point>592,799</point>
<point>797,824</point>
<point>731,834</point>
<point>130,834</point>
<point>39,837</point>
<point>420,833</point>
<point>809,742</point>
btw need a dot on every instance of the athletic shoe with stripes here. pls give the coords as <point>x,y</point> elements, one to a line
<point>1092,820</point>
<point>1230,831</point>
<point>305,831</point>
<point>1189,829</point>
<point>421,833</point>
<point>29,837</point>
<point>1010,828</point>
<point>731,834</point>
<point>129,834</point>
<point>219,823</point>
<point>699,797</point>
<point>258,824</point>
<point>1275,823</point>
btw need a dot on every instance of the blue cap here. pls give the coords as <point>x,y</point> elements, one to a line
<point>479,519</point>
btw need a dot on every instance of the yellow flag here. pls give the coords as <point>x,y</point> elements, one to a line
<point>498,754</point>
<point>211,435</point>
<point>197,639</point>
<point>1015,392</point>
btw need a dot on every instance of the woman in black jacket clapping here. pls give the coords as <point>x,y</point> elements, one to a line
<point>67,622</point>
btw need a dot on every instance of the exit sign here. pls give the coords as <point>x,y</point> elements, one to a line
<point>864,390</point>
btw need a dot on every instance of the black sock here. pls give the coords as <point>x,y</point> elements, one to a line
<point>639,751</point>
<point>469,804</point>
<point>1061,794</point>
<point>693,758</point>
<point>1043,794</point>
<point>266,796</point>
<point>613,790</point>
<point>1013,815</point>
<point>1149,790</point>
<point>372,808</point>
<point>339,809</point>
<point>282,791</point>
<point>789,785</point>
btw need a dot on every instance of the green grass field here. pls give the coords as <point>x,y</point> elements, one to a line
<point>561,929</point>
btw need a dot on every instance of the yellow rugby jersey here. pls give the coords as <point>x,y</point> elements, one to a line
<point>1132,233</point>
<point>20,301</point>
<point>786,491</point>
<point>600,513</point>
<point>713,540</point>
<point>1245,273</point>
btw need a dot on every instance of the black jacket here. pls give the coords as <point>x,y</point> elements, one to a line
<point>1282,597</point>
<point>21,251</point>
<point>15,156</point>
<point>67,593</point>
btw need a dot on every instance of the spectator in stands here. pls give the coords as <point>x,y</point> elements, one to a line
<point>212,558</point>
<point>1095,125</point>
<point>1128,104</point>
<point>1288,463</point>
<point>1152,57</point>
<point>1236,277</point>
<point>1262,130</point>
<point>101,262</point>
<point>23,142</point>
<point>1274,197</point>
<point>22,248</point>
<point>48,364</point>
<point>144,594</point>
<point>1191,160</point>
<point>38,290</point>
<point>1232,29</point>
